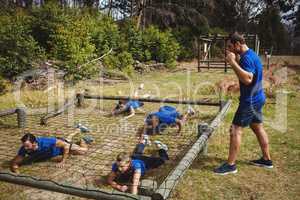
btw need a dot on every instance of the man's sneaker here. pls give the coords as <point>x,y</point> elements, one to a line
<point>82,128</point>
<point>190,110</point>
<point>141,86</point>
<point>146,140</point>
<point>161,145</point>
<point>88,139</point>
<point>226,169</point>
<point>262,163</point>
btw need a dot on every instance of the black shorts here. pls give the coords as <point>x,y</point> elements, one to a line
<point>248,114</point>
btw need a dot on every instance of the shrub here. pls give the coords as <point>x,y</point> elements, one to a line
<point>71,43</point>
<point>18,49</point>
<point>2,86</point>
<point>104,33</point>
<point>162,45</point>
<point>122,61</point>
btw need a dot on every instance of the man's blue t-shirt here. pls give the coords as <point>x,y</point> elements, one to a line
<point>166,115</point>
<point>252,94</point>
<point>136,166</point>
<point>46,148</point>
<point>133,104</point>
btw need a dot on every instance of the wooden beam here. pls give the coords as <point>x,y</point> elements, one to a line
<point>206,102</point>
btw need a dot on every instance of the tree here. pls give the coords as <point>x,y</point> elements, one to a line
<point>272,32</point>
<point>296,42</point>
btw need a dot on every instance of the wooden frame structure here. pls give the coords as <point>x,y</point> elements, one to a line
<point>165,188</point>
<point>204,43</point>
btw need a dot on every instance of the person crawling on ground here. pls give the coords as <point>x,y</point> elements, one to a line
<point>43,148</point>
<point>128,170</point>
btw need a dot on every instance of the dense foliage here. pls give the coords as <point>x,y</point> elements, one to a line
<point>77,32</point>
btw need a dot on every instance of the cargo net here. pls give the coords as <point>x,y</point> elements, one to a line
<point>112,135</point>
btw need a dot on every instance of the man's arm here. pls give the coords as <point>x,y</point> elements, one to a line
<point>15,163</point>
<point>115,185</point>
<point>244,76</point>
<point>66,147</point>
<point>135,182</point>
<point>132,113</point>
<point>179,125</point>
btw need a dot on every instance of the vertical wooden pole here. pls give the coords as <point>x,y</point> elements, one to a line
<point>225,54</point>
<point>198,54</point>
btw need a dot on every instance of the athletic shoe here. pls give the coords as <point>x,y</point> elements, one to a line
<point>161,145</point>
<point>146,140</point>
<point>262,163</point>
<point>82,128</point>
<point>141,86</point>
<point>88,139</point>
<point>226,169</point>
<point>190,110</point>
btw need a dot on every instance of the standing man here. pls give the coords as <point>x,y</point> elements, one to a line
<point>249,70</point>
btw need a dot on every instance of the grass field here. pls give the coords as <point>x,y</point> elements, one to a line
<point>282,182</point>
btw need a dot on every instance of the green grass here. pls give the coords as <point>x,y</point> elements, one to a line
<point>199,181</point>
<point>250,182</point>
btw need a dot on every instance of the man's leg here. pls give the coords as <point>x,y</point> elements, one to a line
<point>235,143</point>
<point>57,158</point>
<point>262,138</point>
<point>80,149</point>
<point>139,149</point>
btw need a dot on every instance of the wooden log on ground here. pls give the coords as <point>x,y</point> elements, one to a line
<point>206,102</point>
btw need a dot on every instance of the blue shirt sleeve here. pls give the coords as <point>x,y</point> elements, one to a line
<point>137,167</point>
<point>133,104</point>
<point>114,167</point>
<point>22,152</point>
<point>248,65</point>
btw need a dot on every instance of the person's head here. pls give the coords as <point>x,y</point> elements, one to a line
<point>29,142</point>
<point>123,162</point>
<point>122,102</point>
<point>235,43</point>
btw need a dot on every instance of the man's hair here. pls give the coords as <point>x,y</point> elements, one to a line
<point>236,37</point>
<point>123,157</point>
<point>28,137</point>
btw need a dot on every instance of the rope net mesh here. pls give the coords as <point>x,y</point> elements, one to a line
<point>112,135</point>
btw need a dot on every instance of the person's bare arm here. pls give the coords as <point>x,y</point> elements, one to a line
<point>179,124</point>
<point>141,110</point>
<point>115,185</point>
<point>132,113</point>
<point>66,147</point>
<point>135,182</point>
<point>14,167</point>
<point>244,76</point>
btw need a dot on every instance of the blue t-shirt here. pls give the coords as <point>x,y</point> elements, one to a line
<point>253,93</point>
<point>133,104</point>
<point>167,115</point>
<point>136,166</point>
<point>46,148</point>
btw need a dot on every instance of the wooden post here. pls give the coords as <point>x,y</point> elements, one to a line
<point>208,58</point>
<point>198,54</point>
<point>21,116</point>
<point>225,54</point>
<point>80,99</point>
